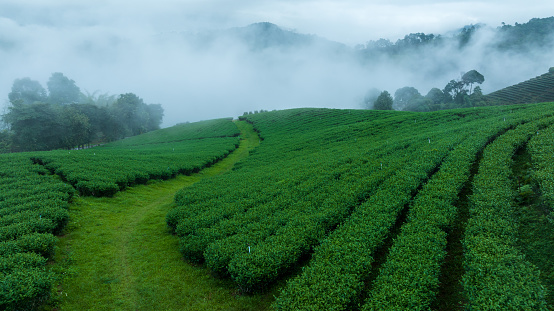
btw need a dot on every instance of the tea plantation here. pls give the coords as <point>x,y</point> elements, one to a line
<point>37,188</point>
<point>346,209</point>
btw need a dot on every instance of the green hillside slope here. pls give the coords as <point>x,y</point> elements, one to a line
<point>34,203</point>
<point>537,90</point>
<point>344,209</point>
<point>331,187</point>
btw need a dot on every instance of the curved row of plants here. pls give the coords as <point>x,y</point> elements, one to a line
<point>105,170</point>
<point>335,277</point>
<point>419,250</point>
<point>538,89</point>
<point>319,174</point>
<point>541,148</point>
<point>33,207</point>
<point>497,275</point>
<point>34,203</point>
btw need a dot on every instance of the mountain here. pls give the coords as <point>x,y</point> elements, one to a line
<point>260,36</point>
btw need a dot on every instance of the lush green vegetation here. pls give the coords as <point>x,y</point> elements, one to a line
<point>497,275</point>
<point>335,209</point>
<point>34,203</point>
<point>536,90</point>
<point>327,187</point>
<point>535,193</point>
<point>64,117</point>
<point>137,266</point>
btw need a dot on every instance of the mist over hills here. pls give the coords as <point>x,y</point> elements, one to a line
<point>420,60</point>
<point>207,74</point>
<point>259,36</point>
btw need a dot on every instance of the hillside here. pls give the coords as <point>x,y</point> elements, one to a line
<point>368,202</point>
<point>535,90</point>
<point>334,209</point>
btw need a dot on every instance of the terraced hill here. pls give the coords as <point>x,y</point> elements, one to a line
<point>537,90</point>
<point>333,210</point>
<point>376,206</point>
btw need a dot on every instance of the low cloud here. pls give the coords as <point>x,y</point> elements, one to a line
<point>155,52</point>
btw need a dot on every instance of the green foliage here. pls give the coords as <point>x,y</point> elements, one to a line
<point>370,98</point>
<point>542,150</point>
<point>62,90</point>
<point>497,275</point>
<point>27,91</point>
<point>330,185</point>
<point>471,77</point>
<point>523,37</point>
<point>33,204</point>
<point>135,116</point>
<point>66,118</point>
<point>419,250</point>
<point>31,210</point>
<point>34,126</point>
<point>383,102</point>
<point>406,97</point>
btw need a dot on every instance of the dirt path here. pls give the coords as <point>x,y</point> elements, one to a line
<point>118,253</point>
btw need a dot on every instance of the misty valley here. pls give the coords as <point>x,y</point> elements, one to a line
<point>283,171</point>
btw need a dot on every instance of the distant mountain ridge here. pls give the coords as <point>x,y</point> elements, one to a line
<point>261,36</point>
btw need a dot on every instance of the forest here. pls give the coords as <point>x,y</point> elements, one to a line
<point>65,118</point>
<point>463,91</point>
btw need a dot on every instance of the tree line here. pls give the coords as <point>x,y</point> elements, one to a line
<point>537,32</point>
<point>62,116</point>
<point>459,93</point>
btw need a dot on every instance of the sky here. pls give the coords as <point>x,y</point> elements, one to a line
<point>115,47</point>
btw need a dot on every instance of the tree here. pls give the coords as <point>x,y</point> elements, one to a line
<point>5,141</point>
<point>472,76</point>
<point>135,116</point>
<point>404,97</point>
<point>27,90</point>
<point>62,90</point>
<point>436,97</point>
<point>383,102</point>
<point>420,104</point>
<point>155,116</point>
<point>370,97</point>
<point>34,126</point>
<point>454,89</point>
<point>477,98</point>
<point>76,128</point>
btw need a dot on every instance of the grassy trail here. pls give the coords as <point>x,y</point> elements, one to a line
<point>118,253</point>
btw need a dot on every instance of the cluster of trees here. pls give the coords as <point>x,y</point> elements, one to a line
<point>459,93</point>
<point>64,117</point>
<point>517,38</point>
<point>255,112</point>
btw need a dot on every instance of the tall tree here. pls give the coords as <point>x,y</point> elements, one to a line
<point>437,98</point>
<point>34,126</point>
<point>370,98</point>
<point>131,111</point>
<point>454,89</point>
<point>27,91</point>
<point>76,128</point>
<point>404,97</point>
<point>383,102</point>
<point>155,116</point>
<point>471,77</point>
<point>62,90</point>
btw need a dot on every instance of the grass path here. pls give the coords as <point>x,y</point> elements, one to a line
<point>118,254</point>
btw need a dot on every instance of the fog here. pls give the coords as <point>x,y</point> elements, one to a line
<point>181,54</point>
